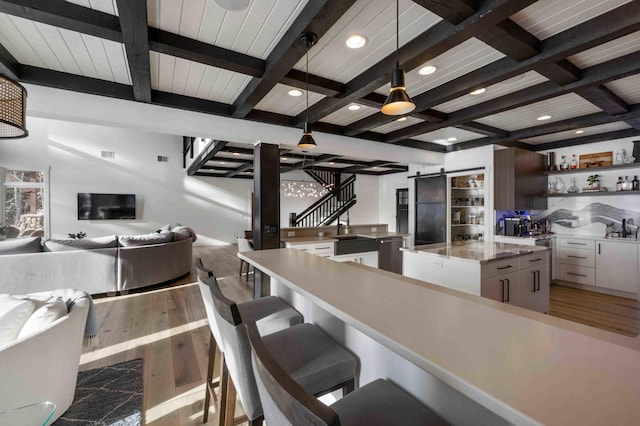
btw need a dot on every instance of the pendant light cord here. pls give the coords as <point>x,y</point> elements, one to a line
<point>397,33</point>
<point>307,80</point>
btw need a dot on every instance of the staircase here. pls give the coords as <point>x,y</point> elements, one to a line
<point>329,208</point>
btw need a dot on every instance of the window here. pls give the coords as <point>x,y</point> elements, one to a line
<point>24,198</point>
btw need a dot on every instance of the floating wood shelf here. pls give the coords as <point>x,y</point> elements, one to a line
<point>594,169</point>
<point>591,194</point>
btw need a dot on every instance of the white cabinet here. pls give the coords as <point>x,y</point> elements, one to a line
<point>368,258</point>
<point>322,249</point>
<point>617,265</point>
<point>576,261</point>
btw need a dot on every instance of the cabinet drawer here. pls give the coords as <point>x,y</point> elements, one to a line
<point>321,248</point>
<point>577,256</point>
<point>491,269</point>
<point>581,244</point>
<point>533,259</point>
<point>577,274</point>
<point>301,247</point>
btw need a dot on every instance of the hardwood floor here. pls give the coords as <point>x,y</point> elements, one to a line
<point>167,327</point>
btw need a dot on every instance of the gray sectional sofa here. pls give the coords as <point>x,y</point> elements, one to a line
<point>95,265</point>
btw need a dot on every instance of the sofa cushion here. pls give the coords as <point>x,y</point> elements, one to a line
<point>21,245</point>
<point>183,233</point>
<point>144,240</point>
<point>164,228</point>
<point>82,244</point>
<point>45,314</point>
<point>14,313</point>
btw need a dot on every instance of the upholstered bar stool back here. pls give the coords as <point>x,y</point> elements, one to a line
<point>286,403</point>
<point>244,246</point>
<point>315,360</point>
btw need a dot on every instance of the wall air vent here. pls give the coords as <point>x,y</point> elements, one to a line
<point>163,159</point>
<point>107,154</point>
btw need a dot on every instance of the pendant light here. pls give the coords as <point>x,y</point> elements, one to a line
<point>398,102</point>
<point>306,141</point>
<point>13,108</point>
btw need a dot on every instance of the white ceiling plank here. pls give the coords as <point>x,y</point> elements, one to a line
<point>191,18</point>
<point>627,88</point>
<point>194,79</point>
<point>546,18</point>
<point>497,90</point>
<point>31,34</point>
<point>273,27</point>
<point>211,25</point>
<point>81,55</point>
<point>445,136</point>
<point>559,108</point>
<point>570,134</point>
<point>607,51</point>
<point>397,125</point>
<point>106,6</point>
<point>166,67</point>
<point>117,56</point>
<point>279,101</point>
<point>154,69</point>
<point>99,57</point>
<point>59,47</point>
<point>180,76</point>
<point>16,44</point>
<point>170,14</point>
<point>235,86</point>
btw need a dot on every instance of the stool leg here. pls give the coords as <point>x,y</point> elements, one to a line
<point>210,384</point>
<point>230,407</point>
<point>224,385</point>
<point>241,265</point>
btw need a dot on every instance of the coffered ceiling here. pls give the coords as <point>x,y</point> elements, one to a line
<point>577,61</point>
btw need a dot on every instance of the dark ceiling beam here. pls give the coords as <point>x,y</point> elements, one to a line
<point>133,23</point>
<point>221,175</point>
<point>204,53</point>
<point>431,43</point>
<point>429,146</point>
<point>62,14</point>
<point>243,168</point>
<point>604,99</point>
<point>317,17</point>
<point>626,133</point>
<point>188,103</point>
<point>593,76</point>
<point>359,167</point>
<point>316,160</point>
<point>483,129</point>
<point>8,64</point>
<point>205,155</point>
<point>317,84</point>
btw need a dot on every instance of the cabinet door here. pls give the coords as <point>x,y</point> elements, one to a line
<point>617,266</point>
<point>369,259</point>
<point>532,291</point>
<point>499,287</point>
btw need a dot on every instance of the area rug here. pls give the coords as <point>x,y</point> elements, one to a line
<point>107,396</point>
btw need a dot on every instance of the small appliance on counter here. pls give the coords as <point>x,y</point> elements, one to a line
<point>515,226</point>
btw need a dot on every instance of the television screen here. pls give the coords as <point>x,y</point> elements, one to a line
<point>106,206</point>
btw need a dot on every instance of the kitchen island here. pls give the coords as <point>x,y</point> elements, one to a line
<point>473,360</point>
<point>510,273</point>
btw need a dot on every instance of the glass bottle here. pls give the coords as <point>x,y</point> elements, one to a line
<point>574,163</point>
<point>564,165</point>
<point>626,185</point>
<point>573,188</point>
<point>635,184</point>
<point>619,184</point>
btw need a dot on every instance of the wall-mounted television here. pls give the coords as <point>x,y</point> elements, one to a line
<point>106,206</point>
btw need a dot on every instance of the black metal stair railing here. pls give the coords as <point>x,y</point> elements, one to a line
<point>328,208</point>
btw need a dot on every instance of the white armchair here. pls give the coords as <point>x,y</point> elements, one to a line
<point>43,365</point>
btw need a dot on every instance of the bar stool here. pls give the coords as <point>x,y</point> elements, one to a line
<point>243,246</point>
<point>285,402</point>
<point>316,361</point>
<point>273,312</point>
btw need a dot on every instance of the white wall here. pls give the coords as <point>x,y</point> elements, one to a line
<point>216,208</point>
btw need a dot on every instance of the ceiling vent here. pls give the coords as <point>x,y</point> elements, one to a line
<point>107,154</point>
<point>163,159</point>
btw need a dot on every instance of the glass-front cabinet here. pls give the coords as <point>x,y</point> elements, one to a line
<point>467,207</point>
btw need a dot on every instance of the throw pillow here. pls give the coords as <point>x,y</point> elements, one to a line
<point>183,232</point>
<point>45,314</point>
<point>165,228</point>
<point>83,244</point>
<point>14,313</point>
<point>144,240</point>
<point>21,245</point>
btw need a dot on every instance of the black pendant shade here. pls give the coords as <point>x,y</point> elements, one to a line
<point>398,102</point>
<point>306,141</point>
<point>13,108</point>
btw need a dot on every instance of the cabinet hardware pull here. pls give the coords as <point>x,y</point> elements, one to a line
<point>303,249</point>
<point>534,281</point>
<point>535,260</point>
<point>502,291</point>
<point>576,244</point>
<point>577,257</point>
<point>577,275</point>
<point>538,273</point>
<point>598,248</point>
<point>322,248</point>
<point>504,267</point>
<point>507,281</point>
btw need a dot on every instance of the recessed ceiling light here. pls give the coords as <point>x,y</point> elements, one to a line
<point>295,92</point>
<point>374,167</point>
<point>452,139</point>
<point>222,162</point>
<point>543,117</point>
<point>440,141</point>
<point>354,107</point>
<point>478,91</point>
<point>427,69</point>
<point>578,132</point>
<point>356,41</point>
<point>402,119</point>
<point>235,153</point>
<point>233,5</point>
<point>284,158</point>
<point>331,164</point>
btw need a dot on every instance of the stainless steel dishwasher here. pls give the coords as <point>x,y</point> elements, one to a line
<point>389,254</point>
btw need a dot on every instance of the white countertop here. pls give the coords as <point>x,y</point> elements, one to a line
<point>476,251</point>
<point>332,238</point>
<point>527,367</point>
